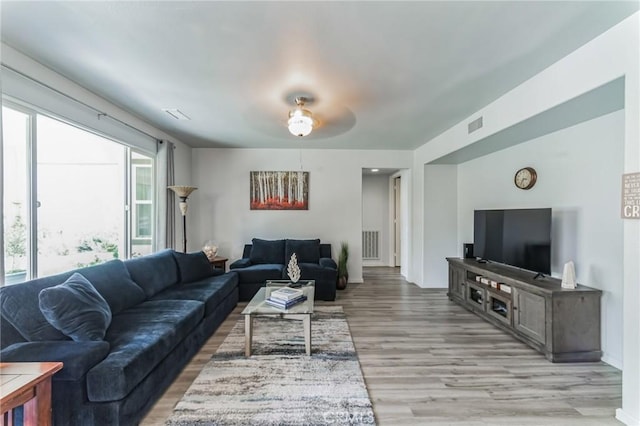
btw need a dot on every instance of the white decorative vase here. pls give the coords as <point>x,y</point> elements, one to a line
<point>210,249</point>
<point>569,275</point>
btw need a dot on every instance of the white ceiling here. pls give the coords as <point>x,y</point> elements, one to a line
<point>384,75</point>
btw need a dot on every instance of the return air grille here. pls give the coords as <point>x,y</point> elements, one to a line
<point>370,245</point>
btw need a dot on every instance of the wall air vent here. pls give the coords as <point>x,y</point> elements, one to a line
<point>475,125</point>
<point>370,244</point>
<point>176,113</point>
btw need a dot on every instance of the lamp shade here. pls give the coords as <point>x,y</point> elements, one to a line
<point>182,191</point>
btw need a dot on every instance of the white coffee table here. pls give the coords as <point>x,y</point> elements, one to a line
<point>258,307</point>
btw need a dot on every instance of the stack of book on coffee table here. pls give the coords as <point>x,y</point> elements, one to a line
<point>286,297</point>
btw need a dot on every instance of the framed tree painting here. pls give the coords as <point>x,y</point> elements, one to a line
<point>279,190</point>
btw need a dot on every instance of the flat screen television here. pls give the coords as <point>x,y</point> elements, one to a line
<point>516,237</point>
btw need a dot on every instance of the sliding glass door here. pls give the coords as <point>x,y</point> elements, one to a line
<point>92,197</point>
<point>81,197</point>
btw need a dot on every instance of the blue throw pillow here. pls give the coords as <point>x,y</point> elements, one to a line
<point>267,251</point>
<point>307,251</point>
<point>193,266</point>
<point>76,309</point>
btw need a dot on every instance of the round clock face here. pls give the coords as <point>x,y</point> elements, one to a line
<point>525,178</point>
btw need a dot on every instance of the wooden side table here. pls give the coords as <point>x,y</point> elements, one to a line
<point>28,384</point>
<point>220,262</point>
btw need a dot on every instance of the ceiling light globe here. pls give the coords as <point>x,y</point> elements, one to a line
<point>300,125</point>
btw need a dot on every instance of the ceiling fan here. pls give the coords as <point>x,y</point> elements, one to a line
<point>300,114</point>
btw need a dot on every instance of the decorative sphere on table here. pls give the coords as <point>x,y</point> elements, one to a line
<point>210,249</point>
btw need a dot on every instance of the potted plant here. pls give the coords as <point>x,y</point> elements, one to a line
<point>343,273</point>
<point>16,248</point>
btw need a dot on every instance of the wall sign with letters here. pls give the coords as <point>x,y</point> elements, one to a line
<point>631,196</point>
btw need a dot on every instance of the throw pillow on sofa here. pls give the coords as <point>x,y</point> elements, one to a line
<point>194,266</point>
<point>76,309</point>
<point>307,251</point>
<point>267,252</point>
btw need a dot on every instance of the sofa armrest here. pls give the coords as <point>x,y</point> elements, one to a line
<point>77,357</point>
<point>327,262</point>
<point>240,263</point>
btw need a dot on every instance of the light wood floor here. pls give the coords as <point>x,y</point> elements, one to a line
<point>428,361</point>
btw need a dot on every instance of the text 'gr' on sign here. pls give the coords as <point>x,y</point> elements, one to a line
<point>631,196</point>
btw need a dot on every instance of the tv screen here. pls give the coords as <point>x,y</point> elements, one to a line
<point>516,237</point>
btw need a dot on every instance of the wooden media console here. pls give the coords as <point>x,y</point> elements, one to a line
<point>563,324</point>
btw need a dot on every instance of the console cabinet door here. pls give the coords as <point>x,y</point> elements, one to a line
<point>456,282</point>
<point>476,296</point>
<point>529,314</point>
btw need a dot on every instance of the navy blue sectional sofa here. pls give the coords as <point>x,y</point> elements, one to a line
<point>268,259</point>
<point>154,313</point>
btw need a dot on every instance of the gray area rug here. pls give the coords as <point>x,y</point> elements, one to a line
<point>279,384</point>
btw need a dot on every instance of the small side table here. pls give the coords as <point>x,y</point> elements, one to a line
<point>28,384</point>
<point>219,262</point>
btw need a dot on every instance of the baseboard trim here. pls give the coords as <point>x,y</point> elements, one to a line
<point>626,418</point>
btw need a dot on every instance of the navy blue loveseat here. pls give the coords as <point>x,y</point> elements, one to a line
<point>268,259</point>
<point>162,307</point>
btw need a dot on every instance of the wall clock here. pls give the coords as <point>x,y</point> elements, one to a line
<point>525,178</point>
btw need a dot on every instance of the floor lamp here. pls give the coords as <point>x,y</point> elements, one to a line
<point>183,192</point>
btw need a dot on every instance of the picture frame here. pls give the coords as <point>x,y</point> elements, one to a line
<point>279,190</point>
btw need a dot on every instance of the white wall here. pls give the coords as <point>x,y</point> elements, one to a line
<point>440,222</point>
<point>579,171</point>
<point>219,210</point>
<point>613,54</point>
<point>375,214</point>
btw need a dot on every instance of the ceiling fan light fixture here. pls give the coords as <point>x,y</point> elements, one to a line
<point>300,121</point>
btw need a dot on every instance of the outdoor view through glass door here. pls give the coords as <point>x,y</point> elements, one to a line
<point>81,197</point>
<point>92,197</point>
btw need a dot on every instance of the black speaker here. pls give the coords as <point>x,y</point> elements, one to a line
<point>467,249</point>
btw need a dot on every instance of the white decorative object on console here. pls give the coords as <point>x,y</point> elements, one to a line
<point>569,275</point>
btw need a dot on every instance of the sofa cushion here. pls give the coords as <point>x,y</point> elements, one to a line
<point>154,272</point>
<point>307,251</point>
<point>267,251</point>
<point>260,273</point>
<point>140,337</point>
<point>76,309</point>
<point>20,306</point>
<point>77,357</point>
<point>193,266</point>
<point>8,334</point>
<point>211,291</point>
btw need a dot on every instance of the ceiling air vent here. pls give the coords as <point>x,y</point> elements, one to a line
<point>475,125</point>
<point>176,113</point>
